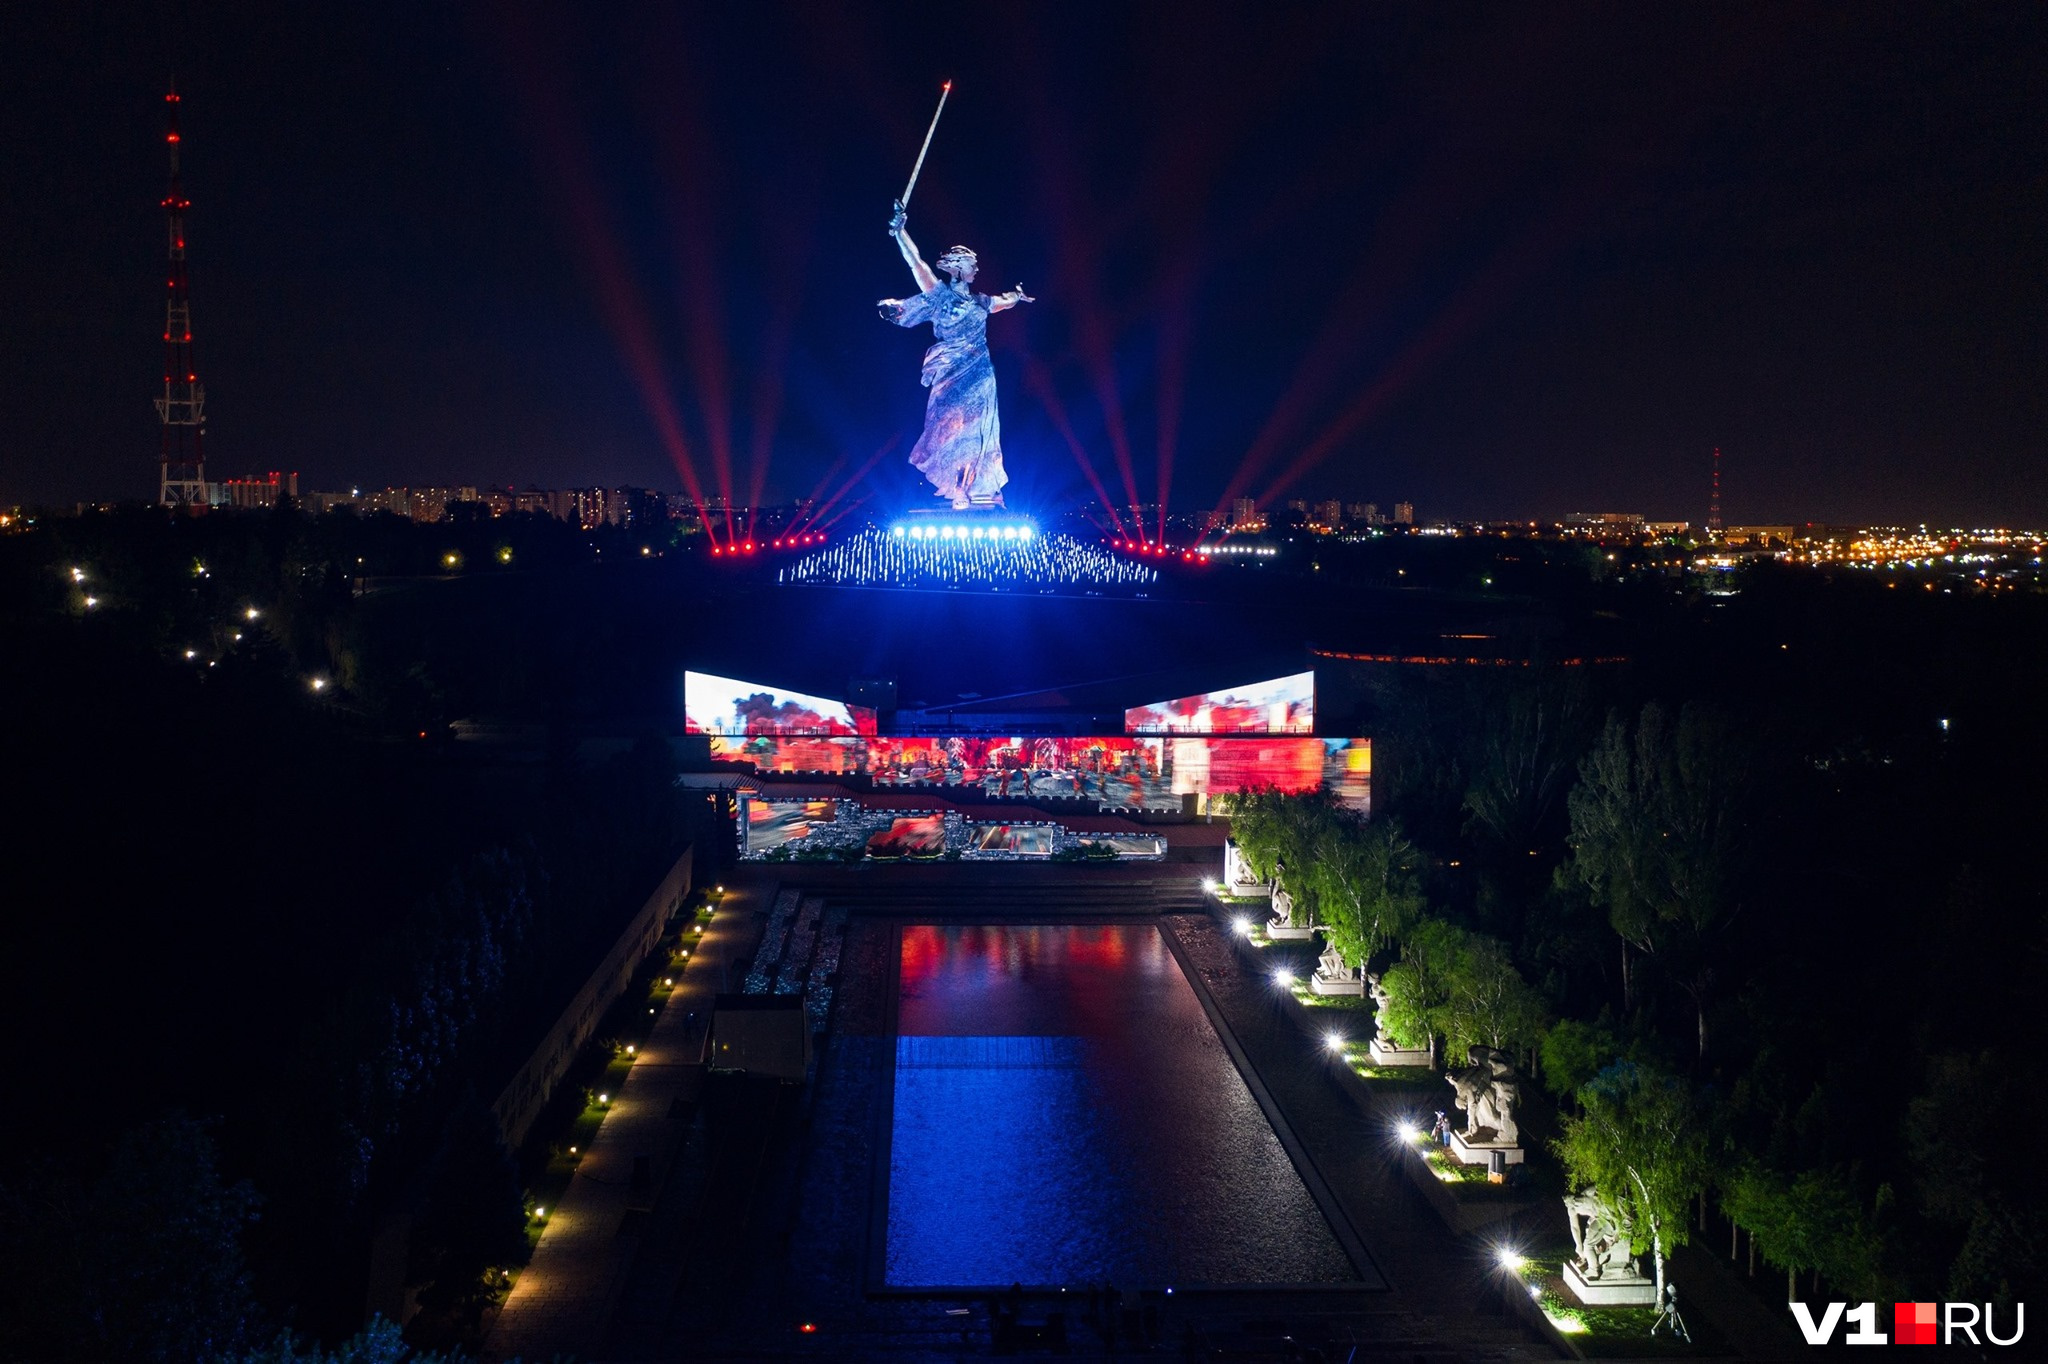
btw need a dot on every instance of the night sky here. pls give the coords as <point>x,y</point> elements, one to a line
<point>1497,261</point>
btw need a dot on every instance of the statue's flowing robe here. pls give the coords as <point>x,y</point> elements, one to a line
<point>961,450</point>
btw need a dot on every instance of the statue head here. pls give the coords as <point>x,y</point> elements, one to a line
<point>960,263</point>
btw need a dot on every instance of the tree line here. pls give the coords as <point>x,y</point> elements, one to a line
<point>1767,936</point>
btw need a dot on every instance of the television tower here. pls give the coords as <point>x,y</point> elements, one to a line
<point>183,406</point>
<point>1714,505</point>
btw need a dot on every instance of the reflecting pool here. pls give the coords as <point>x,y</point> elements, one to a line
<point>1064,1114</point>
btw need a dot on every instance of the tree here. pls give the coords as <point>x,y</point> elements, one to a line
<point>1522,760</point>
<point>1640,1141</point>
<point>379,1342</point>
<point>1368,887</point>
<point>1487,1001</point>
<point>1574,1052</point>
<point>1659,839</point>
<point>1811,1220</point>
<point>145,1263</point>
<point>1419,986</point>
<point>1287,837</point>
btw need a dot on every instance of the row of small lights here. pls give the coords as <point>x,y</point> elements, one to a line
<point>1259,551</point>
<point>1159,550</point>
<point>604,1098</point>
<point>748,546</point>
<point>961,532</point>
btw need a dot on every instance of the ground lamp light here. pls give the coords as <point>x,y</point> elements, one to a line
<point>1283,977</point>
<point>1242,927</point>
<point>1334,1042</point>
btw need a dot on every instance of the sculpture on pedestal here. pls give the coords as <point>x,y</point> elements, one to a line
<point>961,450</point>
<point>1600,1245</point>
<point>1487,1090</point>
<point>1384,1049</point>
<point>1335,976</point>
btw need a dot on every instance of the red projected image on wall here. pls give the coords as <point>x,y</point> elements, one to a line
<point>1113,771</point>
<point>1280,705</point>
<point>772,823</point>
<point>923,836</point>
<point>726,706</point>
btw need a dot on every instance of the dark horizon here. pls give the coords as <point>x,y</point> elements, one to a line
<point>1496,267</point>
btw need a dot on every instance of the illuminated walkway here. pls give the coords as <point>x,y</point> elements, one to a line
<point>565,1295</point>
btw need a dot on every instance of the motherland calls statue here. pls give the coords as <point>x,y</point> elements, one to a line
<point>961,450</point>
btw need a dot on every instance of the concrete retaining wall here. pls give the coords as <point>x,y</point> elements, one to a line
<point>533,1084</point>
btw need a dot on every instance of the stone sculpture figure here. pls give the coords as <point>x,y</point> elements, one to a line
<point>1332,966</point>
<point>1380,998</point>
<point>961,450</point>
<point>1487,1090</point>
<point>1601,1246</point>
<point>1283,907</point>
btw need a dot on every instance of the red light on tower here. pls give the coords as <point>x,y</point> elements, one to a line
<point>181,478</point>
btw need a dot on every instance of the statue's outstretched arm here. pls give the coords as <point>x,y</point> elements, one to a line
<point>1010,299</point>
<point>923,273</point>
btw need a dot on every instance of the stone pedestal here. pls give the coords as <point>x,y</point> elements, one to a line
<point>1472,1151</point>
<point>1238,879</point>
<point>1385,1053</point>
<point>1609,1292</point>
<point>1336,985</point>
<point>1289,933</point>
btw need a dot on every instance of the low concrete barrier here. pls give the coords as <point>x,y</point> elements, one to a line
<point>533,1084</point>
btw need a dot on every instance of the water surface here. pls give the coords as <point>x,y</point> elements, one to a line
<point>1064,1114</point>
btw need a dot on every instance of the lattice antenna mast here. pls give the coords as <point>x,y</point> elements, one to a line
<point>182,407</point>
<point>1714,504</point>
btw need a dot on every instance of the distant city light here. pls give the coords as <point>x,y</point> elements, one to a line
<point>251,614</point>
<point>318,683</point>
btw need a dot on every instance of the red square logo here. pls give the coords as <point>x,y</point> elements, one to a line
<point>1915,1323</point>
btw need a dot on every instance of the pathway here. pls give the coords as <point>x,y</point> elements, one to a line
<point>565,1295</point>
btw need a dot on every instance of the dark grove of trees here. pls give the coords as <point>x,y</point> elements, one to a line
<point>272,950</point>
<point>1775,874</point>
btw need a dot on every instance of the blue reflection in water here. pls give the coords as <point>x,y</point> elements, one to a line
<point>1064,1113</point>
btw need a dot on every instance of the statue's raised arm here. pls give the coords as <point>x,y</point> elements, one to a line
<point>926,277</point>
